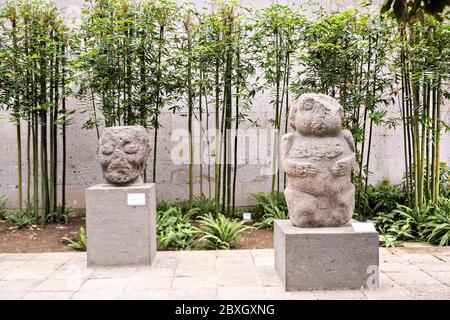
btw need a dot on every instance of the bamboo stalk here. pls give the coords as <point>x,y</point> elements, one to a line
<point>437,138</point>
<point>190,106</point>
<point>200,148</point>
<point>13,19</point>
<point>228,104</point>
<point>236,106</point>
<point>64,129</point>
<point>217,135</point>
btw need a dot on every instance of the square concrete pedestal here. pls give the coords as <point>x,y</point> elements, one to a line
<point>120,225</point>
<point>326,258</point>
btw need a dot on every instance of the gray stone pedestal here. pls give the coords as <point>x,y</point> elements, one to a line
<point>120,225</point>
<point>326,258</point>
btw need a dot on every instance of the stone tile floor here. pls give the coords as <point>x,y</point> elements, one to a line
<point>406,273</point>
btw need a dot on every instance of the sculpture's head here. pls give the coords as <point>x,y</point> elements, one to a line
<point>316,114</point>
<point>123,153</point>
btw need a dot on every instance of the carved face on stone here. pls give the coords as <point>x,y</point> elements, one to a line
<point>123,152</point>
<point>316,114</point>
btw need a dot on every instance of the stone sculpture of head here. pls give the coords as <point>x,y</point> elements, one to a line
<point>123,153</point>
<point>317,115</point>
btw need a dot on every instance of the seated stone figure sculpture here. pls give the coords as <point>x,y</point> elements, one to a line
<point>123,152</point>
<point>318,159</point>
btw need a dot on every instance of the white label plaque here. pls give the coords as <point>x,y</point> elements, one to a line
<point>247,216</point>
<point>136,199</point>
<point>363,227</point>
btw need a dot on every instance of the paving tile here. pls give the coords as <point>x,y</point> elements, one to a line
<point>19,256</point>
<point>263,257</point>
<point>156,271</point>
<point>236,268</point>
<point>113,272</point>
<point>165,261</point>
<point>59,285</point>
<point>209,281</point>
<point>78,257</point>
<point>406,273</point>
<point>417,250</point>
<point>193,294</point>
<point>445,256</point>
<point>249,279</point>
<point>106,288</point>
<point>404,267</point>
<point>71,272</point>
<point>95,295</point>
<point>195,258</point>
<point>388,289</point>
<point>265,261</point>
<point>54,256</point>
<point>239,293</point>
<point>233,253</point>
<point>196,255</point>
<point>167,254</point>
<point>428,293</point>
<point>242,261</point>
<point>278,293</point>
<point>437,266</point>
<point>151,294</point>
<point>75,263</point>
<point>262,252</point>
<point>421,285</point>
<point>383,251</point>
<point>192,269</point>
<point>269,280</point>
<point>17,285</point>
<point>339,295</point>
<point>33,271</point>
<point>442,277</point>
<point>413,278</point>
<point>6,267</point>
<point>48,295</point>
<point>147,282</point>
<point>15,295</point>
<point>387,256</point>
<point>419,257</point>
<point>268,276</point>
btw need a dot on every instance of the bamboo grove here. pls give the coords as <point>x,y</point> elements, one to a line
<point>129,61</point>
<point>422,69</point>
<point>33,90</point>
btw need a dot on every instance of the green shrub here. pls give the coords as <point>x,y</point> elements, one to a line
<point>59,216</point>
<point>265,202</point>
<point>408,222</point>
<point>387,240</point>
<point>431,224</point>
<point>174,228</point>
<point>20,220</point>
<point>79,241</point>
<point>204,205</point>
<point>380,198</point>
<point>271,212</point>
<point>384,221</point>
<point>444,187</point>
<point>4,203</point>
<point>219,232</point>
<point>436,228</point>
<point>164,205</point>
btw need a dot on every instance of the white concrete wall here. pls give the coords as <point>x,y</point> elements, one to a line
<point>83,169</point>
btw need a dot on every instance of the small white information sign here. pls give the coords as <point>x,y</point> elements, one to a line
<point>247,216</point>
<point>136,199</point>
<point>363,227</point>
